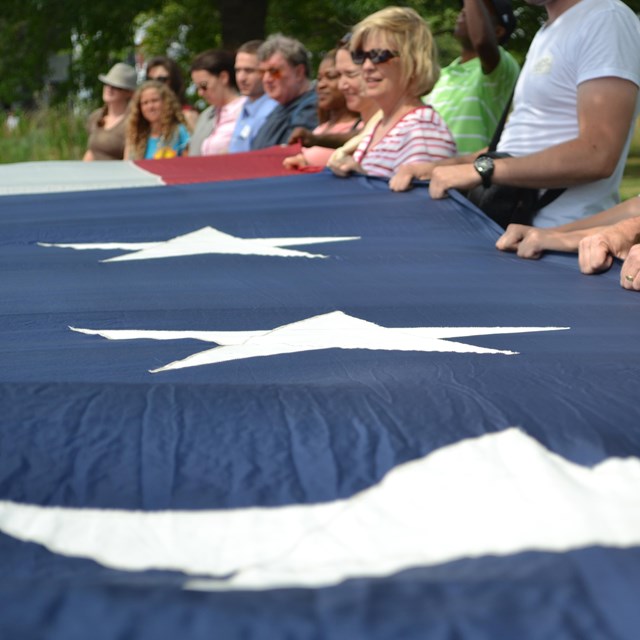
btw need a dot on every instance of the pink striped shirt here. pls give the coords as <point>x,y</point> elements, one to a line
<point>218,141</point>
<point>419,136</point>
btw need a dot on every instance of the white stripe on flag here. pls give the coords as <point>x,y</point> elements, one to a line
<point>72,175</point>
<point>499,494</point>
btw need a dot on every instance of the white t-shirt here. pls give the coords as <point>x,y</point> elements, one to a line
<point>593,39</point>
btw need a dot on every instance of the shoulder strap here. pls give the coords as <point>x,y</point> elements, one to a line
<point>550,194</point>
<point>493,145</point>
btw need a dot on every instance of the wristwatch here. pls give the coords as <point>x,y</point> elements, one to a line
<point>484,166</point>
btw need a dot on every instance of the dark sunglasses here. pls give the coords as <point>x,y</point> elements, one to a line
<point>377,56</point>
<point>159,78</point>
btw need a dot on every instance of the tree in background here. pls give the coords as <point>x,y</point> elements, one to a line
<point>97,34</point>
<point>93,34</point>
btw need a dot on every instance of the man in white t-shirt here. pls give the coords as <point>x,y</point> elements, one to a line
<point>573,113</point>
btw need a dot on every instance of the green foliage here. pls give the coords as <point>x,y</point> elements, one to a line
<point>321,25</point>
<point>179,29</point>
<point>100,33</point>
<point>23,62</point>
<point>54,133</point>
<point>32,30</point>
<point>630,186</point>
<point>103,34</point>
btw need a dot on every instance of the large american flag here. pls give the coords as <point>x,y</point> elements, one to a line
<point>307,407</point>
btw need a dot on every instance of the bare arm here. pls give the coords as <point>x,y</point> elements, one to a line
<point>309,139</point>
<point>482,34</point>
<point>532,242</point>
<point>605,115</point>
<point>598,250</point>
<point>627,209</point>
<point>401,181</point>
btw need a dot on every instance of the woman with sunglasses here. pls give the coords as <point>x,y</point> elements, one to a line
<point>335,119</point>
<point>355,93</point>
<point>156,127</point>
<point>106,125</point>
<point>398,57</point>
<point>164,69</point>
<point>213,73</point>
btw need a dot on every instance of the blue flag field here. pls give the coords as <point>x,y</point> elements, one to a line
<point>306,407</point>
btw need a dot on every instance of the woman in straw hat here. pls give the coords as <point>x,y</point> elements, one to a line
<point>106,125</point>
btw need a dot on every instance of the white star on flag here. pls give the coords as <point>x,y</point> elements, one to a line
<point>203,241</point>
<point>335,330</point>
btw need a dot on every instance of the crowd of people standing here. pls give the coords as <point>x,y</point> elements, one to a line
<point>540,150</point>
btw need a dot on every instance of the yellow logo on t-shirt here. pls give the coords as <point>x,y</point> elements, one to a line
<point>164,152</point>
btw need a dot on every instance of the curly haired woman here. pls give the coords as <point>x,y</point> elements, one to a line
<point>156,126</point>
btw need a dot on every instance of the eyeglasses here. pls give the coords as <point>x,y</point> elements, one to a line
<point>159,78</point>
<point>377,56</point>
<point>274,72</point>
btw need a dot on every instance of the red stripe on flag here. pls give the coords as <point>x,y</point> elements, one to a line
<point>264,163</point>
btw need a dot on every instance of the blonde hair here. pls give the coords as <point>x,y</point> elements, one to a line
<point>411,37</point>
<point>139,129</point>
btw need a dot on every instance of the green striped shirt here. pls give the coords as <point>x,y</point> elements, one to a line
<point>471,102</point>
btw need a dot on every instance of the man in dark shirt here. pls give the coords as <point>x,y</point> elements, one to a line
<point>285,66</point>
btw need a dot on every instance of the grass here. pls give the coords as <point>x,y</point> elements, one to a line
<point>56,133</point>
<point>59,133</point>
<point>630,185</point>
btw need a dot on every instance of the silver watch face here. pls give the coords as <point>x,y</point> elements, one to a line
<point>484,165</point>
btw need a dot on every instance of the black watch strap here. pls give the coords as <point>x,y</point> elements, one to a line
<point>484,166</point>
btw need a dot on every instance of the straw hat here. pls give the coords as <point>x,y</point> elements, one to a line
<point>120,76</point>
